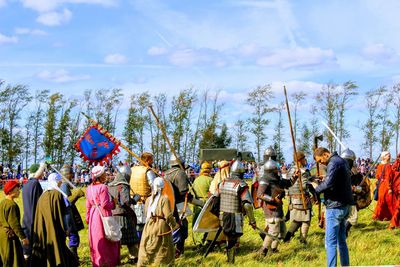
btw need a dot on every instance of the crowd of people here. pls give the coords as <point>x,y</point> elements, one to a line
<point>151,209</point>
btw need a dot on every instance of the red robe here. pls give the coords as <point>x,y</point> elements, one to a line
<point>387,201</point>
<point>395,222</point>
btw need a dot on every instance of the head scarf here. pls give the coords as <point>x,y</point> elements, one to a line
<point>383,154</point>
<point>10,185</point>
<point>158,185</point>
<point>97,171</point>
<point>120,178</point>
<point>205,168</point>
<point>52,183</point>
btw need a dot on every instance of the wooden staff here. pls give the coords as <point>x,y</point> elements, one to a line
<point>160,126</point>
<point>295,151</point>
<point>321,217</point>
<point>118,142</point>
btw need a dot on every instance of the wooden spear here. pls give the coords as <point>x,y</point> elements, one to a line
<point>295,151</point>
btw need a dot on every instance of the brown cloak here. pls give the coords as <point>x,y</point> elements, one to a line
<point>10,232</point>
<point>49,232</point>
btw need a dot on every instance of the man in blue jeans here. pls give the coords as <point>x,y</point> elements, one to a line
<point>338,197</point>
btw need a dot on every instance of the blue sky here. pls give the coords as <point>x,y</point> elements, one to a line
<point>231,46</point>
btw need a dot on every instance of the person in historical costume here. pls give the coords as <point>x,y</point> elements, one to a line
<point>73,220</point>
<point>50,230</point>
<point>11,234</point>
<point>156,246</point>
<point>30,195</point>
<point>356,186</point>
<point>103,252</point>
<point>395,187</point>
<point>300,217</point>
<point>271,190</point>
<point>141,182</point>
<point>120,190</point>
<point>269,153</point>
<point>386,202</point>
<point>220,175</point>
<point>234,201</point>
<point>201,186</point>
<point>180,184</point>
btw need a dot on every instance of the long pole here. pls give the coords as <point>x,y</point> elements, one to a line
<point>334,135</point>
<point>320,214</point>
<point>295,151</point>
<point>63,177</point>
<point>160,126</point>
<point>118,142</point>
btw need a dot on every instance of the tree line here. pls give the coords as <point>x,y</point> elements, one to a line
<point>44,124</point>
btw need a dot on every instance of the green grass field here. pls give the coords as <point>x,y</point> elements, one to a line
<point>370,243</point>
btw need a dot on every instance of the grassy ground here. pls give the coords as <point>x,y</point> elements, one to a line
<point>370,243</point>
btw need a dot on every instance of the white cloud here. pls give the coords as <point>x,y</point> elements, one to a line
<point>298,57</point>
<point>2,3</point>
<point>61,76</point>
<point>54,18</point>
<point>379,53</point>
<point>157,51</point>
<point>43,6</point>
<point>27,31</point>
<point>8,39</point>
<point>115,59</point>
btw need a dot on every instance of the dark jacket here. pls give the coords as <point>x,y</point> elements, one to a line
<point>337,184</point>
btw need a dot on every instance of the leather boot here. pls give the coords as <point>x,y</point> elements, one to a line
<point>74,250</point>
<point>262,252</point>
<point>288,236</point>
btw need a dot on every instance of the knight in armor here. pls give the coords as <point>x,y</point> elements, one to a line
<point>356,186</point>
<point>141,182</point>
<point>300,217</point>
<point>271,190</point>
<point>235,201</point>
<point>269,153</point>
<point>180,184</point>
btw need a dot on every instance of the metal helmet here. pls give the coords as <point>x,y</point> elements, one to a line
<point>175,161</point>
<point>269,153</point>
<point>66,171</point>
<point>348,154</point>
<point>125,170</point>
<point>270,165</point>
<point>237,167</point>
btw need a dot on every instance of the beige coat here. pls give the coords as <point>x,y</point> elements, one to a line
<point>156,245</point>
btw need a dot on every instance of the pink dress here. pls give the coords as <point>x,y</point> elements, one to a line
<point>102,251</point>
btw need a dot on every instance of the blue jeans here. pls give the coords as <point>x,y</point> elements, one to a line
<point>335,235</point>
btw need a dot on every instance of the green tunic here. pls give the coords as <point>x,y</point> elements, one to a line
<point>10,246</point>
<point>201,186</point>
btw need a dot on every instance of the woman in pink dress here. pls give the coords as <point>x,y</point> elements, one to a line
<point>102,251</point>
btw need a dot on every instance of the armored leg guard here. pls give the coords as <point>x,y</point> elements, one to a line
<point>304,232</point>
<point>230,253</point>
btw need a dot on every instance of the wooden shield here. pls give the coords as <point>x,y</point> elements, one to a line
<point>168,191</point>
<point>254,189</point>
<point>206,221</point>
